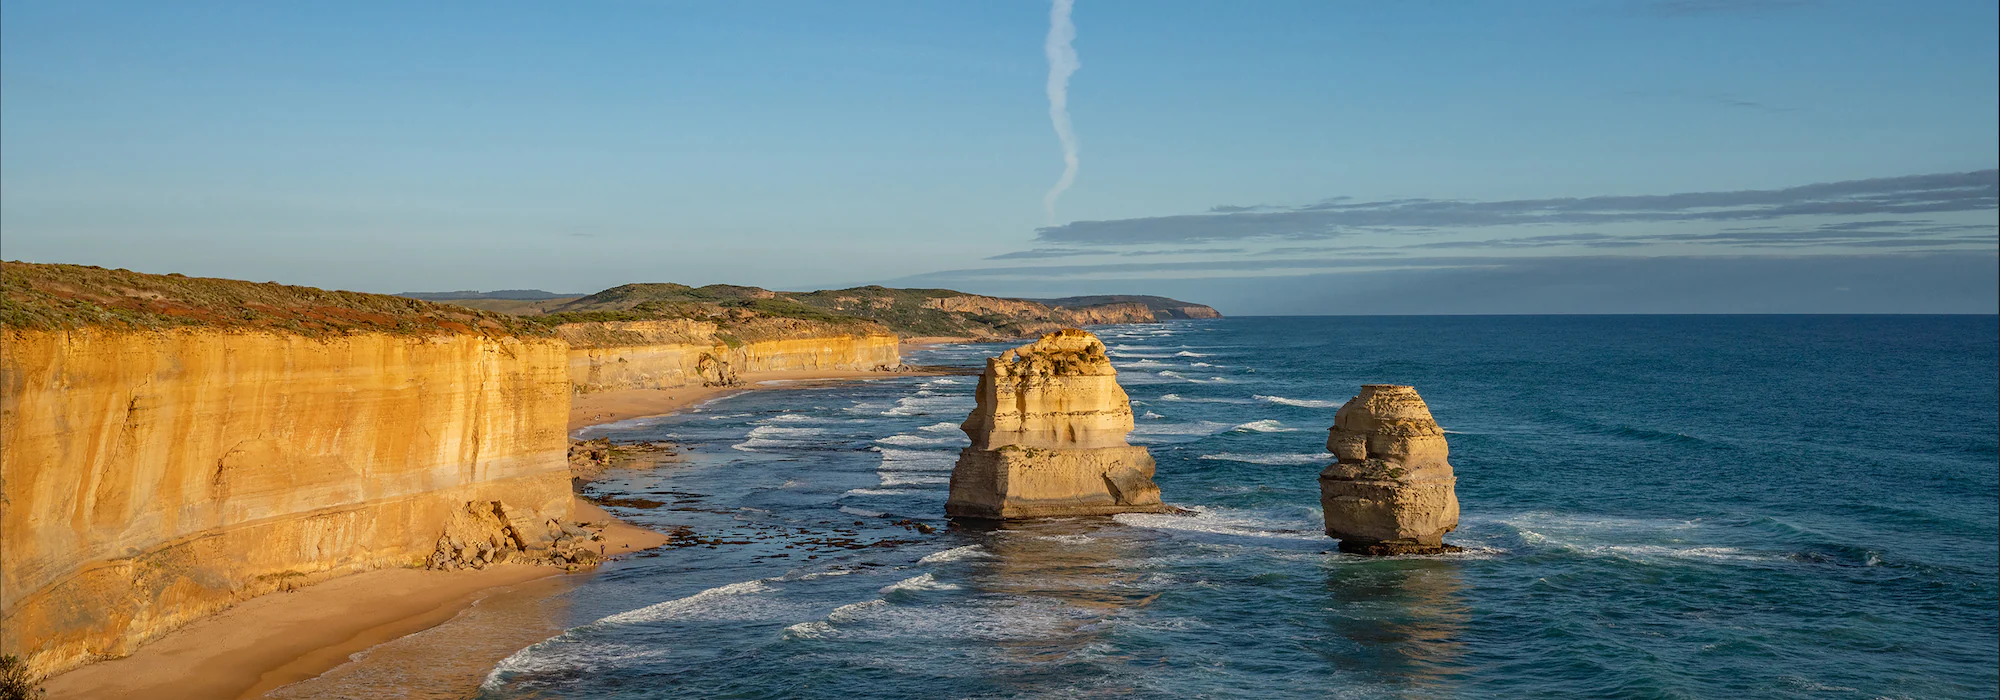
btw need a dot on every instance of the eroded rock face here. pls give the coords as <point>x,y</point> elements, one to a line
<point>489,532</point>
<point>1048,437</point>
<point>1391,490</point>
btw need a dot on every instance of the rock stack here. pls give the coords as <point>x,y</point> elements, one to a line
<point>1390,490</point>
<point>1048,438</point>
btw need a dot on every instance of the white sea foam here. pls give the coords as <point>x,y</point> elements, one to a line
<point>1142,364</point>
<point>721,600</point>
<point>1201,364</point>
<point>1005,619</point>
<point>1231,522</point>
<point>881,492</point>
<point>852,611</point>
<point>775,436</point>
<point>1628,539</point>
<point>1149,415</point>
<point>970,551</point>
<point>908,440</point>
<point>1178,397</point>
<point>1185,353</point>
<point>1175,432</point>
<point>1170,374</point>
<point>851,510</point>
<point>1317,458</point>
<point>793,418</point>
<point>927,405</point>
<point>809,630</point>
<point>915,460</point>
<point>940,428</point>
<point>1301,403</point>
<point>1265,426</point>
<point>909,479</point>
<point>923,582</point>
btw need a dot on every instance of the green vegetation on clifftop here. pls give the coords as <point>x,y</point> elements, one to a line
<point>50,297</point>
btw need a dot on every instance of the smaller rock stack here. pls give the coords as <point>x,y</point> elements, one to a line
<point>1391,490</point>
<point>1048,438</point>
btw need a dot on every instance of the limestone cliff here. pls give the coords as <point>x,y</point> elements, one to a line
<point>1161,307</point>
<point>1048,437</point>
<point>173,445</point>
<point>1391,490</point>
<point>675,353</point>
<point>1036,317</point>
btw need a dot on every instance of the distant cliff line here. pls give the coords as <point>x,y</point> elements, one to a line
<point>906,312</point>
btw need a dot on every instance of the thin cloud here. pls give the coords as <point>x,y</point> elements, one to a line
<point>1334,218</point>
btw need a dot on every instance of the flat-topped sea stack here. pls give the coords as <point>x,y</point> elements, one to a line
<point>1390,490</point>
<point>1048,438</point>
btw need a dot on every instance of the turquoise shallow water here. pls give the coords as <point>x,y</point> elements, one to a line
<point>1701,507</point>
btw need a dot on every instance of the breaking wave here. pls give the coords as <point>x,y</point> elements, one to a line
<point>1301,403</point>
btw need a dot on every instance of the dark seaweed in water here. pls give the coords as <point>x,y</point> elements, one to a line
<point>1710,507</point>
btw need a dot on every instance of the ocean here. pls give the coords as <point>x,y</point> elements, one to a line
<point>1654,507</point>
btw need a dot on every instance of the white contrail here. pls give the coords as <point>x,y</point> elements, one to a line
<point>1062,62</point>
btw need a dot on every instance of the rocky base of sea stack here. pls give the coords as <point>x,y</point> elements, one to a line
<point>1014,482</point>
<point>1383,549</point>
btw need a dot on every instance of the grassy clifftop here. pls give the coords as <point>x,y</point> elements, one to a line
<point>907,312</point>
<point>44,296</point>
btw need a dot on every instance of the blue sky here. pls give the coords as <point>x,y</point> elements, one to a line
<point>1241,153</point>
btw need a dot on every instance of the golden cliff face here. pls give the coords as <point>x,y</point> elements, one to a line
<point>1048,437</point>
<point>150,478</point>
<point>668,354</point>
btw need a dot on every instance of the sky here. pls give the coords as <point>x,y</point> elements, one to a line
<point>1609,156</point>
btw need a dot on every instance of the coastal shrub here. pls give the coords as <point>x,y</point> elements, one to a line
<point>16,682</point>
<point>52,296</point>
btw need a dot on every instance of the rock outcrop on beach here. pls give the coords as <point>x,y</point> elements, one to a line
<point>1390,490</point>
<point>486,533</point>
<point>1048,437</point>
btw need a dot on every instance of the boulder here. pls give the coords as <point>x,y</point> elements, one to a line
<point>1390,490</point>
<point>1048,437</point>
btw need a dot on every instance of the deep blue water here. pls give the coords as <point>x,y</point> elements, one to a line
<point>1698,507</point>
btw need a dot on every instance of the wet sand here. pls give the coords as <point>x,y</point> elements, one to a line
<point>269,641</point>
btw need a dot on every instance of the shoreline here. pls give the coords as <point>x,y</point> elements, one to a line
<point>274,640</point>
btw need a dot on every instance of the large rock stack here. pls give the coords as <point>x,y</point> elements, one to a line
<point>1048,437</point>
<point>1391,490</point>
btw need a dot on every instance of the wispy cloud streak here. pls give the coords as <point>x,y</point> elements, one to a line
<point>1902,196</point>
<point>1062,62</point>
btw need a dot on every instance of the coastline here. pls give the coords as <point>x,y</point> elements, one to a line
<point>267,642</point>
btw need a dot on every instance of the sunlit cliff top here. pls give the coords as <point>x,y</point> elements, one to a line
<point>46,296</point>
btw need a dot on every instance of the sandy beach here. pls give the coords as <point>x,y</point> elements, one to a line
<point>264,643</point>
